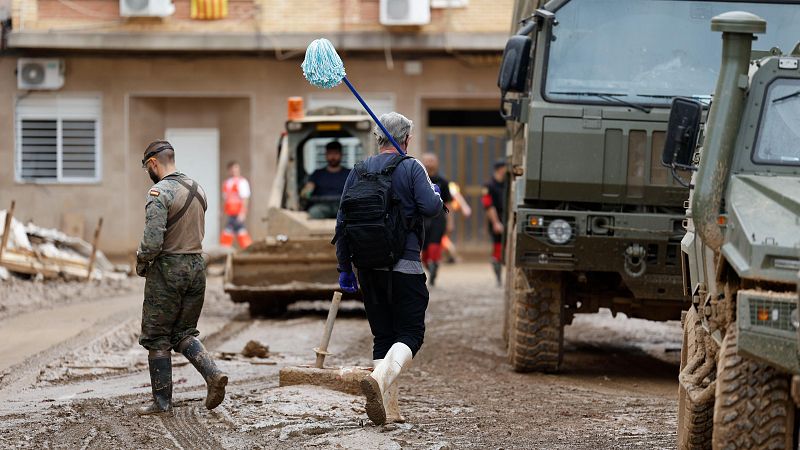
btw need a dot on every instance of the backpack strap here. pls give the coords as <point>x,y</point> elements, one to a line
<point>193,189</point>
<point>394,162</point>
<point>360,168</point>
<point>193,194</point>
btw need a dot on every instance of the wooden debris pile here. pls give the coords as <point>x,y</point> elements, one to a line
<point>48,253</point>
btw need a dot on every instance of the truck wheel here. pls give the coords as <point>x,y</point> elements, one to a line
<point>695,421</point>
<point>536,330</point>
<point>753,408</point>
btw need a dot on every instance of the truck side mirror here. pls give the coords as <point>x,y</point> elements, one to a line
<point>682,131</point>
<point>516,61</point>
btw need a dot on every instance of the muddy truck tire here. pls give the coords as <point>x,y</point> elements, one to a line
<point>695,420</point>
<point>536,330</point>
<point>753,408</point>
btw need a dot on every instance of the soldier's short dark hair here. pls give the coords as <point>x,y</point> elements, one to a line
<point>231,164</point>
<point>161,150</point>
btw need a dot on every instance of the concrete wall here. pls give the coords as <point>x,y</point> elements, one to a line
<point>244,97</point>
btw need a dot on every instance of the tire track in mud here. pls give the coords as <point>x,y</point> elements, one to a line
<point>187,428</point>
<point>24,375</point>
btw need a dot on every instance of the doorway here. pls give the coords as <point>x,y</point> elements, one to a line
<point>197,155</point>
<point>468,141</point>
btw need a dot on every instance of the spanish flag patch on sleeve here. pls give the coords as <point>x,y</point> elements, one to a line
<point>154,193</point>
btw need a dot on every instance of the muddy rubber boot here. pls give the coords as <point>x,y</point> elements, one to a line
<point>498,272</point>
<point>216,380</point>
<point>160,362</point>
<point>433,270</point>
<point>375,385</point>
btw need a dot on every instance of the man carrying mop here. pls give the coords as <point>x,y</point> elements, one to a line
<point>379,230</point>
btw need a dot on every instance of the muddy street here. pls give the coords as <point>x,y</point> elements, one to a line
<point>73,373</point>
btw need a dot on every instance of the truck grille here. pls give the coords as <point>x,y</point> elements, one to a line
<point>770,310</point>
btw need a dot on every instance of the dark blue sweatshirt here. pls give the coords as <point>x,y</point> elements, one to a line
<point>410,183</point>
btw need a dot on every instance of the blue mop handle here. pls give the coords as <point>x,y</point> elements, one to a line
<point>364,104</point>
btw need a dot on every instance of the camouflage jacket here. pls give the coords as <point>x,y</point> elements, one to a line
<point>164,200</point>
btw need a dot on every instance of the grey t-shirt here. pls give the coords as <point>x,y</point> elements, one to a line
<point>407,266</point>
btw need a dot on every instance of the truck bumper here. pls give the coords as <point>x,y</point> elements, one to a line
<point>644,249</point>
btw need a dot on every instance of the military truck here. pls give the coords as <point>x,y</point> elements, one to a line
<point>296,261</point>
<point>594,219</point>
<point>740,361</point>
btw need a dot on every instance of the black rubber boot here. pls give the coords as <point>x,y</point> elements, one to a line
<point>193,350</point>
<point>498,272</point>
<point>433,270</point>
<point>160,363</point>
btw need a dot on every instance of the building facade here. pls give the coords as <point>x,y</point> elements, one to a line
<point>218,90</point>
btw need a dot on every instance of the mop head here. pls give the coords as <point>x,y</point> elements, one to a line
<point>322,66</point>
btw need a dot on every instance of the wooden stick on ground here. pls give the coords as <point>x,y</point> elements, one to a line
<point>322,350</point>
<point>92,258</point>
<point>7,228</point>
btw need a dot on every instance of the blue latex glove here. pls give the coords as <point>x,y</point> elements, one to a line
<point>348,282</point>
<point>437,189</point>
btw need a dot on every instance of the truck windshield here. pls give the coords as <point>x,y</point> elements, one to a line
<point>649,51</point>
<point>778,139</point>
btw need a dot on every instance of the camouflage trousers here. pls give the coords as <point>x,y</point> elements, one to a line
<point>173,299</point>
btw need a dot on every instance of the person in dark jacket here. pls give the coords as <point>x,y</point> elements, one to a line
<point>436,227</point>
<point>492,199</point>
<point>395,298</point>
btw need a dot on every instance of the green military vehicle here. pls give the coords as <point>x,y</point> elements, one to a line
<point>740,361</point>
<point>594,219</point>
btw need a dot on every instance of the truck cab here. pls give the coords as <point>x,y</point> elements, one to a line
<point>595,220</point>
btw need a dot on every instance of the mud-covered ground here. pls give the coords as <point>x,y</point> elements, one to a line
<point>617,390</point>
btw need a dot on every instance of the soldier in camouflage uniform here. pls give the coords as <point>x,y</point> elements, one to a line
<point>169,256</point>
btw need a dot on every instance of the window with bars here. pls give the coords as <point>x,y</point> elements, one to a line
<point>58,139</point>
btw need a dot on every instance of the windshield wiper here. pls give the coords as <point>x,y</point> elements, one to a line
<point>613,97</point>
<point>786,97</point>
<point>705,99</point>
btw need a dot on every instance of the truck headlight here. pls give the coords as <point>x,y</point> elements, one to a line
<point>559,231</point>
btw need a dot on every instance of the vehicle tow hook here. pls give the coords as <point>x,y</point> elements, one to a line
<point>635,264</point>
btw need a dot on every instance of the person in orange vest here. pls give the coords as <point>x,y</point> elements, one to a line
<point>236,196</point>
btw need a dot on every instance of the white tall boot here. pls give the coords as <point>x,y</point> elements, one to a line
<point>376,384</point>
<point>390,400</point>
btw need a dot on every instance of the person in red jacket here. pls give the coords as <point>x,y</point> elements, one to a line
<point>492,199</point>
<point>236,196</point>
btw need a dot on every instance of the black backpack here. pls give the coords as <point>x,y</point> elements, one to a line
<point>374,226</point>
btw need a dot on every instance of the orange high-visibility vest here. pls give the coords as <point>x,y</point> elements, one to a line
<point>233,201</point>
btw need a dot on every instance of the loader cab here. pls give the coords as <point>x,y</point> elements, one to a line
<point>306,140</point>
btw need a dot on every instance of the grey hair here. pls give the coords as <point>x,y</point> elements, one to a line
<point>398,125</point>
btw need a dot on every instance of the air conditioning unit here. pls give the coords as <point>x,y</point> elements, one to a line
<point>40,73</point>
<point>405,12</point>
<point>146,8</point>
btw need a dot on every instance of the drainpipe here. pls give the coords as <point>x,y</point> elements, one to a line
<point>738,29</point>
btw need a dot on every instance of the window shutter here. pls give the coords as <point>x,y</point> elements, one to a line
<point>39,150</point>
<point>78,153</point>
<point>58,138</point>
